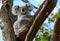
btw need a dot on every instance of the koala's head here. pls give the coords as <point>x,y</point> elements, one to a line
<point>22,10</point>
<point>19,10</point>
<point>27,8</point>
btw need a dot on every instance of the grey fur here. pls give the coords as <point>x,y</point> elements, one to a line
<point>22,19</point>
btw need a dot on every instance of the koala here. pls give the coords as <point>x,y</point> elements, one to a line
<point>23,17</point>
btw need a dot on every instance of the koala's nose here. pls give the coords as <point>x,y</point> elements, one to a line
<point>23,9</point>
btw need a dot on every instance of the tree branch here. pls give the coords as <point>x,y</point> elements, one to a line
<point>43,14</point>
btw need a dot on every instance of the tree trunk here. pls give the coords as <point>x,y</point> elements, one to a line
<point>7,31</point>
<point>56,34</point>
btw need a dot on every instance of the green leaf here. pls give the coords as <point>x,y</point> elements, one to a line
<point>44,31</point>
<point>56,16</point>
<point>42,26</point>
<point>50,32</point>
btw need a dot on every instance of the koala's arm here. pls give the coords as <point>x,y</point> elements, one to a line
<point>20,24</point>
<point>15,26</point>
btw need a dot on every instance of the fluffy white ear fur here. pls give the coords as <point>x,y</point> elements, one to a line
<point>14,11</point>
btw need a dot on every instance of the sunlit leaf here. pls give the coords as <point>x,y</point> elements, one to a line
<point>42,26</point>
<point>56,16</point>
<point>44,31</point>
<point>50,32</point>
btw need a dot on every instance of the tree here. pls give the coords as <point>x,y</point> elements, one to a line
<point>56,34</point>
<point>32,28</point>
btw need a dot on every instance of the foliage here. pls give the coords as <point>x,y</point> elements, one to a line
<point>56,16</point>
<point>44,35</point>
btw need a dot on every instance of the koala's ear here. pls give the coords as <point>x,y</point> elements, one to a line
<point>14,11</point>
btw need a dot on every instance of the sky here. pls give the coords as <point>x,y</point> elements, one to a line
<point>35,2</point>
